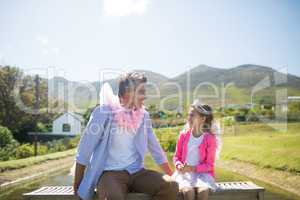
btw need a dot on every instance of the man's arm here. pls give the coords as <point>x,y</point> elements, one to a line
<point>79,172</point>
<point>156,150</point>
<point>166,168</point>
<point>90,137</point>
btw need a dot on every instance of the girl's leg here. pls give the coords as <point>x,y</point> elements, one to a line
<point>186,194</point>
<point>202,193</point>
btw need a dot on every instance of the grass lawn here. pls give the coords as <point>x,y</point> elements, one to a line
<point>263,146</point>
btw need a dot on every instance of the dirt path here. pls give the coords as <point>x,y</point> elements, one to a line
<point>13,177</point>
<point>285,180</point>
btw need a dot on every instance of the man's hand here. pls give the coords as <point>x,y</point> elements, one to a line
<point>166,168</point>
<point>75,187</point>
<point>79,172</point>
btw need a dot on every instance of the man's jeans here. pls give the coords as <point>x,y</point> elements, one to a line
<point>114,185</point>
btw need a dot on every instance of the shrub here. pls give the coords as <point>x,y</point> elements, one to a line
<point>228,121</point>
<point>240,118</point>
<point>42,150</point>
<point>73,142</point>
<point>171,147</point>
<point>24,151</point>
<point>9,151</point>
<point>41,127</point>
<point>5,137</point>
<point>58,145</point>
<point>252,117</point>
<point>8,144</point>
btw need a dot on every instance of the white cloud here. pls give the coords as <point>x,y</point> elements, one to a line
<point>42,39</point>
<point>125,7</point>
<point>55,50</point>
<point>45,52</point>
<point>2,61</point>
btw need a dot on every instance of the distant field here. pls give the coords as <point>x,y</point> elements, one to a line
<point>25,162</point>
<point>258,144</point>
<point>262,146</point>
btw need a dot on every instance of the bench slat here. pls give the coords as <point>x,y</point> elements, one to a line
<point>225,191</point>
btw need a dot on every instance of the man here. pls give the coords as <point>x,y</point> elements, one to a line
<point>111,157</point>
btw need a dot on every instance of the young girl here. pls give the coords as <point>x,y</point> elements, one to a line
<point>195,154</point>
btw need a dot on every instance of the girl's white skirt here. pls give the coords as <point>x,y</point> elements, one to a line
<point>192,179</point>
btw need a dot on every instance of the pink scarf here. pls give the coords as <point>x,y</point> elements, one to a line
<point>129,119</point>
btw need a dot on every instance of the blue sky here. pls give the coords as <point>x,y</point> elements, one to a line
<point>167,36</point>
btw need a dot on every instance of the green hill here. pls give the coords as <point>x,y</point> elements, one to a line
<point>214,85</point>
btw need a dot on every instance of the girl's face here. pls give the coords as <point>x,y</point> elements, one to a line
<point>194,119</point>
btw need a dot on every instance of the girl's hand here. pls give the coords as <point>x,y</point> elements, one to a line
<point>180,167</point>
<point>189,168</point>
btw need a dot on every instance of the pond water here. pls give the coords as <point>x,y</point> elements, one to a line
<point>62,178</point>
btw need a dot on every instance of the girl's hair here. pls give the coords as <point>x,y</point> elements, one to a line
<point>210,125</point>
<point>204,111</point>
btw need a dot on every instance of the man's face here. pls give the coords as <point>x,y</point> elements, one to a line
<point>140,95</point>
<point>135,98</point>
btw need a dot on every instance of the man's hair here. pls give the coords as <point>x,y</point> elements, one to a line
<point>129,81</point>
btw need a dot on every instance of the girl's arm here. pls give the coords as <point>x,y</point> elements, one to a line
<point>209,162</point>
<point>177,158</point>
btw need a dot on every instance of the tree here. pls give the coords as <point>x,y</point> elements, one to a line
<point>9,113</point>
<point>14,84</point>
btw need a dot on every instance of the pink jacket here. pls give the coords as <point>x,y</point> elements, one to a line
<point>207,150</point>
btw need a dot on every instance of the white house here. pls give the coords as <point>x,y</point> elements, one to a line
<point>68,123</point>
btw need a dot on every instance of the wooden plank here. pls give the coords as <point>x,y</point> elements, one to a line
<point>138,196</point>
<point>225,191</point>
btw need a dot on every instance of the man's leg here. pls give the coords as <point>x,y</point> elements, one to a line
<point>113,185</point>
<point>158,185</point>
<point>187,193</point>
<point>202,193</point>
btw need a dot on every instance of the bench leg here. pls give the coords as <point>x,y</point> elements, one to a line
<point>260,195</point>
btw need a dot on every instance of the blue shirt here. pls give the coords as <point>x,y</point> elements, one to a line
<point>92,150</point>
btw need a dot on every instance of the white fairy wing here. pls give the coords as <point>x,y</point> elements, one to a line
<point>107,96</point>
<point>216,129</point>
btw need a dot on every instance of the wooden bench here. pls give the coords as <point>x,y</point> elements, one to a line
<point>225,191</point>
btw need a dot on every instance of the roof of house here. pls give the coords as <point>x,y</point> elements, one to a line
<point>75,115</point>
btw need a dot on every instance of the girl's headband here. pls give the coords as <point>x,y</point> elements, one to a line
<point>200,108</point>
